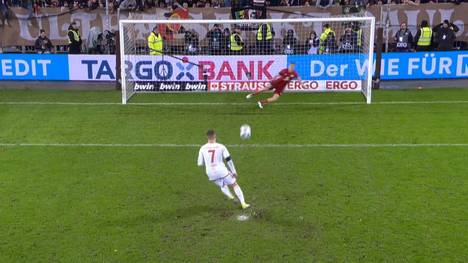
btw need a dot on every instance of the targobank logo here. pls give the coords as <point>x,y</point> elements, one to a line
<point>202,68</point>
<point>185,69</point>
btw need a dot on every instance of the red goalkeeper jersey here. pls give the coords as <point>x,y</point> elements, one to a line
<point>284,77</point>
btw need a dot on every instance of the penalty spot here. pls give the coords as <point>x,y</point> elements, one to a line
<point>242,217</point>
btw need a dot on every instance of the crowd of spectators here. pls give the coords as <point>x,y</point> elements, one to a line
<point>223,41</point>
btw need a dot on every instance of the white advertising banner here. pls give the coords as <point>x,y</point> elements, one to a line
<point>92,67</point>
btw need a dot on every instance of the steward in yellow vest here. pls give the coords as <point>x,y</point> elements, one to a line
<point>423,38</point>
<point>74,39</point>
<point>236,42</point>
<point>327,40</point>
<point>155,42</point>
<point>265,35</point>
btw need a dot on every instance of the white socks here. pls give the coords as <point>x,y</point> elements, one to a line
<point>227,192</point>
<point>239,193</point>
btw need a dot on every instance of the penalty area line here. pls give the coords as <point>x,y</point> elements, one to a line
<point>168,145</point>
<point>227,103</point>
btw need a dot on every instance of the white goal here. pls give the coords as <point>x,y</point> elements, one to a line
<point>332,54</point>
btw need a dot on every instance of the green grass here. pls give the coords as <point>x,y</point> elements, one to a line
<point>153,204</point>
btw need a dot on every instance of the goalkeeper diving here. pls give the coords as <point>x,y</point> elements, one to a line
<point>278,84</point>
<point>213,155</point>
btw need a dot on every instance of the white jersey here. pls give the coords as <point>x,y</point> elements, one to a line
<point>212,155</point>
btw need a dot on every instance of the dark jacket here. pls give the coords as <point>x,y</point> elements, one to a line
<point>43,45</point>
<point>215,39</point>
<point>445,36</point>
<point>404,39</point>
<point>349,42</point>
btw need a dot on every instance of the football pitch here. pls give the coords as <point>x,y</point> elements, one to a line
<point>329,178</point>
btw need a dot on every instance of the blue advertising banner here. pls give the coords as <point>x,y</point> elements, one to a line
<point>395,66</point>
<point>33,67</point>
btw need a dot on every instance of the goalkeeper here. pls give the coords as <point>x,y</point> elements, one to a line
<point>278,84</point>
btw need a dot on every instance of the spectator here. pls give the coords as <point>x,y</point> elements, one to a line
<point>128,5</point>
<point>216,4</point>
<point>155,42</point>
<point>4,12</point>
<point>348,41</point>
<point>403,39</point>
<point>215,38</point>
<point>445,35</point>
<point>236,41</point>
<point>43,44</point>
<point>423,38</point>
<point>94,4</point>
<point>293,3</point>
<point>410,2</point>
<point>74,39</point>
<point>324,3</point>
<point>191,42</point>
<point>312,43</point>
<point>327,40</point>
<point>289,42</point>
<point>265,34</point>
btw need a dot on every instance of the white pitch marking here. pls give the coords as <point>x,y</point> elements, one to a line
<point>169,145</point>
<point>242,217</point>
<point>227,103</point>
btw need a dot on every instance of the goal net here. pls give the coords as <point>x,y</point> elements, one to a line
<point>331,54</point>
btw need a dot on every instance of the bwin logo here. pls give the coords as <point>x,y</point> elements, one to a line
<point>185,71</point>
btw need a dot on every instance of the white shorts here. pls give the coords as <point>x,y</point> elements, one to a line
<point>227,180</point>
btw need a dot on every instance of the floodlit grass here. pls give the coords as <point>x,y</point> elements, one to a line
<point>153,204</point>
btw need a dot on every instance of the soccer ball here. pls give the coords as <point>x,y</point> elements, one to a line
<point>245,132</point>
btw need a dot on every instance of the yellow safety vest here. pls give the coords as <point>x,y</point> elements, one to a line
<point>234,45</point>
<point>359,37</point>
<point>76,36</point>
<point>155,44</point>
<point>323,39</point>
<point>425,38</point>
<point>269,35</point>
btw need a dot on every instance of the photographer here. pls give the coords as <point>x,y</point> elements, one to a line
<point>348,41</point>
<point>94,41</point>
<point>43,45</point>
<point>445,35</point>
<point>403,39</point>
<point>289,42</point>
<point>312,43</point>
<point>215,39</point>
<point>191,42</point>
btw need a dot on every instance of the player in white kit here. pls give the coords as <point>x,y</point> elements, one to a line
<point>213,155</point>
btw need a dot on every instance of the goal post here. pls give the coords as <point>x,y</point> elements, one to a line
<point>332,54</point>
